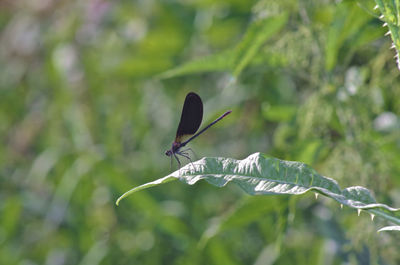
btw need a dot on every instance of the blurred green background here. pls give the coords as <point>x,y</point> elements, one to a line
<point>83,118</point>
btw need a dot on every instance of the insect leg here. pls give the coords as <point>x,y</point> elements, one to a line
<point>186,155</point>
<point>177,160</point>
<point>191,150</point>
<point>179,164</point>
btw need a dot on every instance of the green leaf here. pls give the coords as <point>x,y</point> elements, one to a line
<point>261,175</point>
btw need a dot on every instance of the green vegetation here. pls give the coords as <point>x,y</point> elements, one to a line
<point>90,98</point>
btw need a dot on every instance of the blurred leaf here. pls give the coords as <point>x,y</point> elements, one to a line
<point>256,35</point>
<point>278,113</point>
<point>268,255</point>
<point>219,253</point>
<point>237,59</point>
<point>216,62</point>
<point>221,34</point>
<point>348,20</point>
<point>248,211</point>
<point>309,150</point>
<point>10,215</point>
<point>260,175</point>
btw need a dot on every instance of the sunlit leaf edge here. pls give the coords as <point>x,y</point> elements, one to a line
<point>390,228</point>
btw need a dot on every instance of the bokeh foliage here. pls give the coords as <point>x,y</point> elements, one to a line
<point>87,110</point>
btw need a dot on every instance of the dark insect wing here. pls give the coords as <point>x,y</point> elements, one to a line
<point>192,114</point>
